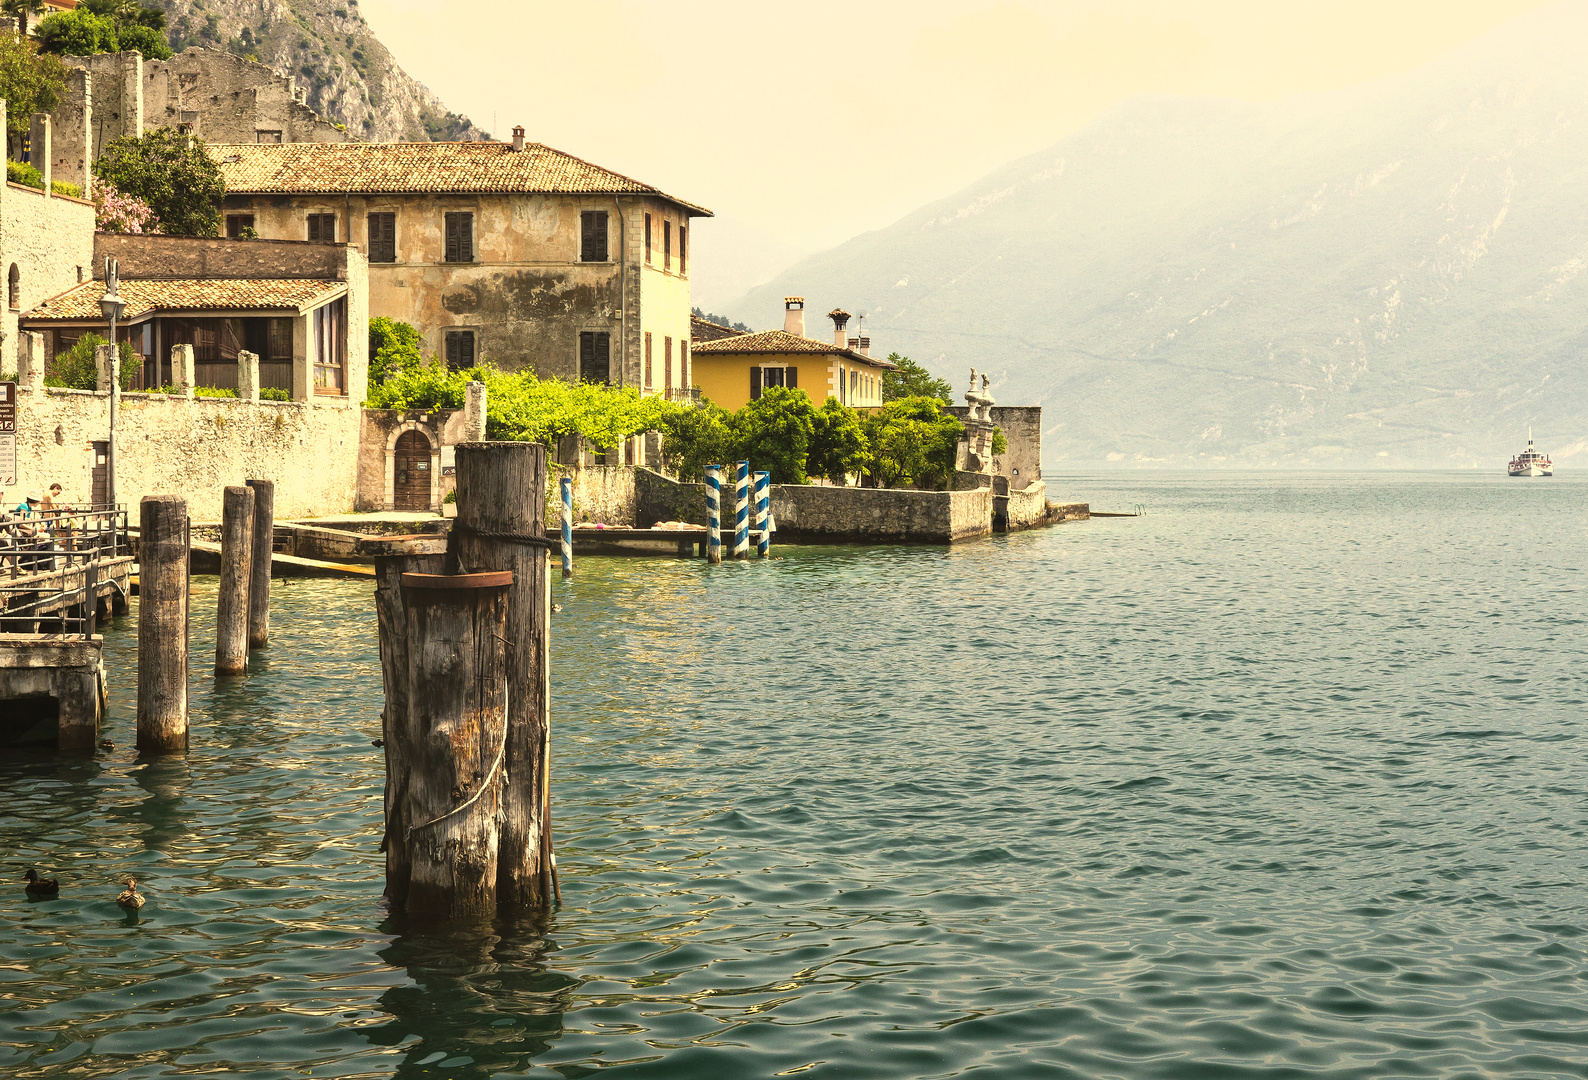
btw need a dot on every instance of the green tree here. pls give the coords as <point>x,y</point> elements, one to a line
<point>22,10</point>
<point>78,367</point>
<point>181,183</point>
<point>913,380</point>
<point>30,81</point>
<point>774,432</point>
<point>78,32</point>
<point>394,347</point>
<point>838,443</point>
<point>693,438</point>
<point>913,441</point>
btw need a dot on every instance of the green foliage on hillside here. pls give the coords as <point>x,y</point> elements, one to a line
<point>100,26</point>
<point>179,182</point>
<point>30,81</point>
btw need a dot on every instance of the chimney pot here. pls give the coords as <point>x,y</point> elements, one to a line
<point>840,319</point>
<point>794,315</point>
<point>518,138</point>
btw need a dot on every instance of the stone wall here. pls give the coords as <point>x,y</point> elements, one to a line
<point>201,256</point>
<point>377,450</point>
<point>1022,427</point>
<point>48,241</point>
<point>192,447</point>
<point>601,493</point>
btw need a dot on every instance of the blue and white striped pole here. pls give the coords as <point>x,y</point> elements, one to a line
<point>763,502</point>
<point>567,527</point>
<point>741,511</point>
<point>714,513</point>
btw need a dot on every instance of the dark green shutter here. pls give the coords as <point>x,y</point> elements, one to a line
<point>755,383</point>
<point>791,377</point>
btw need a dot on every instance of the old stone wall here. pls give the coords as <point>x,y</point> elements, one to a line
<point>380,429</point>
<point>601,493</point>
<point>1022,427</point>
<point>47,243</point>
<point>198,256</point>
<point>191,447</point>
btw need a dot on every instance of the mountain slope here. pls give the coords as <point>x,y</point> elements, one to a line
<point>350,76</point>
<point>1391,274</point>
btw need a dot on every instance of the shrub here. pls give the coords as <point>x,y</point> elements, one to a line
<point>774,432</point>
<point>76,33</point>
<point>30,81</point>
<point>146,40</point>
<point>274,393</point>
<point>61,187</point>
<point>180,183</point>
<point>117,212</point>
<point>213,392</point>
<point>393,348</point>
<point>838,443</point>
<point>695,438</point>
<point>20,172</point>
<point>78,369</point>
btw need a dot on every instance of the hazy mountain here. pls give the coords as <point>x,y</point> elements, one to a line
<point>328,47</point>
<point>1390,274</point>
<point>728,257</point>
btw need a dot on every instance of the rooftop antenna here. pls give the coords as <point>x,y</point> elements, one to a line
<point>860,326</point>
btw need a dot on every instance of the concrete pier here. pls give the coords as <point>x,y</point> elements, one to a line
<point>52,691</point>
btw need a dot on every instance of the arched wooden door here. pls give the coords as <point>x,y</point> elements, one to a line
<point>411,473</point>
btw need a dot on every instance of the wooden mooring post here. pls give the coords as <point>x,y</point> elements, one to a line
<point>231,615</point>
<point>462,839</point>
<point>259,575</point>
<point>162,624</point>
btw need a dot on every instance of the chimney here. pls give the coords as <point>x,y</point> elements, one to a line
<point>840,319</point>
<point>794,315</point>
<point>861,345</point>
<point>518,138</point>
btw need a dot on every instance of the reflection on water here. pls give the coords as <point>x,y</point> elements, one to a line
<point>1283,779</point>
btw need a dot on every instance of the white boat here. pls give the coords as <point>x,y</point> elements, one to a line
<point>1530,462</point>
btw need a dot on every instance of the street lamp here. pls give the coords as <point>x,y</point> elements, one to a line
<point>111,305</point>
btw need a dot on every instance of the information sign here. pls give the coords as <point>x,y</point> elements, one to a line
<point>8,435</point>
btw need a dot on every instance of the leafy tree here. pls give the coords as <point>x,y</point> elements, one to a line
<point>78,367</point>
<point>695,438</point>
<point>30,81</point>
<point>913,441</point>
<point>78,32</point>
<point>146,40</point>
<point>774,432</point>
<point>913,380</point>
<point>393,348</point>
<point>181,183</point>
<point>838,443</point>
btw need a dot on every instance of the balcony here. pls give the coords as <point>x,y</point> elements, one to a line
<point>689,395</point>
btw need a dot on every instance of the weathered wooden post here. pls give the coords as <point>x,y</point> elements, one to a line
<point>457,731</point>
<point>763,499</point>
<point>714,513</point>
<point>565,489</point>
<point>741,510</point>
<point>501,526</point>
<point>259,571</point>
<point>162,624</point>
<point>231,617</point>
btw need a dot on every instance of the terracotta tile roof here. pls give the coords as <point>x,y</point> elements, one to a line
<point>781,341</point>
<point>145,297</point>
<point>397,168</point>
<point>705,330</point>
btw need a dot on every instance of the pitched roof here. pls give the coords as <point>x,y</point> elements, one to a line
<point>420,167</point>
<point>705,330</point>
<point>145,297</point>
<point>781,341</point>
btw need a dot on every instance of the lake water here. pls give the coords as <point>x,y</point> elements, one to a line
<point>1285,779</point>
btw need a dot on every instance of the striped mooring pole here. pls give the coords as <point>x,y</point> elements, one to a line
<point>567,526</point>
<point>763,502</point>
<point>714,513</point>
<point>741,511</point>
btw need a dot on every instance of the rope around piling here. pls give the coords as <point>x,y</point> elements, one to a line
<point>494,534</point>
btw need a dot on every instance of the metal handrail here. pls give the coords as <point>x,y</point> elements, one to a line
<point>39,554</point>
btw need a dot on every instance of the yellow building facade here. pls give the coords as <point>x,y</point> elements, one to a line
<point>733,369</point>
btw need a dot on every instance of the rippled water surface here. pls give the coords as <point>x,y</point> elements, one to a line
<point>1284,779</point>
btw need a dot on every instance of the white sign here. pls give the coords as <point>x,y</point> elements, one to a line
<point>8,434</point>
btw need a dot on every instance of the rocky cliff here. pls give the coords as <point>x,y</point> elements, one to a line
<point>327,46</point>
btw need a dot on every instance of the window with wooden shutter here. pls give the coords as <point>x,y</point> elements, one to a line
<point>683,249</point>
<point>667,362</point>
<point>647,239</point>
<point>383,237</point>
<point>593,236</point>
<point>459,346</point>
<point>683,364</point>
<point>791,377</point>
<point>649,382</point>
<point>459,238</point>
<point>595,357</point>
<point>322,228</point>
<point>755,383</point>
<point>667,245</point>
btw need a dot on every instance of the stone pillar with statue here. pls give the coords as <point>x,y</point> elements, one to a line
<point>975,453</point>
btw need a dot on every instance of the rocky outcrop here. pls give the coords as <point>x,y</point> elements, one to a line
<point>349,76</point>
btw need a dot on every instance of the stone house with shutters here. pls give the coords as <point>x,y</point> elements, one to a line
<point>513,253</point>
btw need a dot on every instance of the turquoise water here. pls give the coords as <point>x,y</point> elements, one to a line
<point>1285,779</point>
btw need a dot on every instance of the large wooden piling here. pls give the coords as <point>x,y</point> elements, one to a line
<point>231,617</point>
<point>501,525</point>
<point>457,732</point>
<point>162,624</point>
<point>259,576</point>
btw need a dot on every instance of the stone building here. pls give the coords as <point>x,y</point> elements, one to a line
<point>733,368</point>
<point>214,95</point>
<point>514,253</point>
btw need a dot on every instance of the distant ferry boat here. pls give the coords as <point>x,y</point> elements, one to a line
<point>1530,462</point>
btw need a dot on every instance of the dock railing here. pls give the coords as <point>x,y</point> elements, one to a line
<point>50,566</point>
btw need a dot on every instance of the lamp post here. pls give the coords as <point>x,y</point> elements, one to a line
<point>111,306</point>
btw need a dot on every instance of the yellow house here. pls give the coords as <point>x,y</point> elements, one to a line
<point>733,368</point>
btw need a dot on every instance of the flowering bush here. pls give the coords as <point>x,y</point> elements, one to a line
<point>120,213</point>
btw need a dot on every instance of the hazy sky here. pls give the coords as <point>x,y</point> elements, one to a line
<point>818,120</point>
